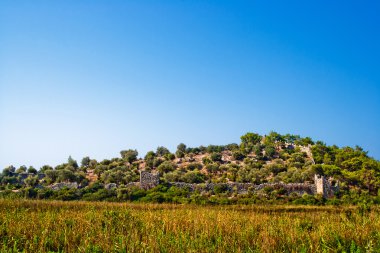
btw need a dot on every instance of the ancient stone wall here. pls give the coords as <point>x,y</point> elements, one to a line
<point>324,186</point>
<point>149,180</point>
<point>242,188</point>
<point>320,186</point>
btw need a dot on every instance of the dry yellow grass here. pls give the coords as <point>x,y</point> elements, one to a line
<point>53,226</point>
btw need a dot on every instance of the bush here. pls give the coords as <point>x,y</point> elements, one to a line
<point>129,155</point>
<point>166,167</point>
<point>155,197</point>
<point>101,194</point>
<point>157,161</point>
<point>270,151</point>
<point>174,176</point>
<point>216,157</point>
<point>67,194</point>
<point>221,188</point>
<point>206,160</point>
<point>194,166</point>
<point>194,177</point>
<point>212,168</point>
<point>237,155</point>
<point>181,150</point>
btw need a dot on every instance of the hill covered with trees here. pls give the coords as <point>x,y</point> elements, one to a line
<point>257,159</point>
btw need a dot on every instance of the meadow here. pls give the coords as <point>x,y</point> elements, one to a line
<point>57,226</point>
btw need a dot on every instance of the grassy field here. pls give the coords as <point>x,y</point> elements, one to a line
<point>53,226</point>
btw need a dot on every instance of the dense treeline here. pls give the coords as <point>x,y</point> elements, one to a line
<point>257,159</point>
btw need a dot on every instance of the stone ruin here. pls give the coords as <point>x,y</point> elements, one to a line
<point>321,185</point>
<point>149,180</point>
<point>242,188</point>
<point>325,186</point>
<point>60,186</point>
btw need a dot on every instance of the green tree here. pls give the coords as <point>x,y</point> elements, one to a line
<point>66,175</point>
<point>216,157</point>
<point>32,170</point>
<point>45,168</point>
<point>181,150</point>
<point>273,138</point>
<point>51,175</point>
<point>194,177</point>
<point>85,161</point>
<point>149,159</point>
<point>237,155</point>
<point>169,157</point>
<point>157,162</point>
<point>99,169</point>
<point>31,181</point>
<point>129,155</point>
<point>22,169</point>
<point>248,141</point>
<point>194,166</point>
<point>92,164</point>
<point>166,167</point>
<point>162,151</point>
<point>8,171</point>
<point>212,167</point>
<point>291,139</point>
<point>214,148</point>
<point>232,147</point>
<point>72,162</point>
<point>270,151</point>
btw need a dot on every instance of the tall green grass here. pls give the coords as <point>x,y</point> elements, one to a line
<point>43,226</point>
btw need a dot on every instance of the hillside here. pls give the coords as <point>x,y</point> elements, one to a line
<point>273,158</point>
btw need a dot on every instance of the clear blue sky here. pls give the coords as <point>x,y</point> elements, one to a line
<point>95,77</point>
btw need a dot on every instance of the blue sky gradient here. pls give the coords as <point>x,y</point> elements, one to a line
<point>94,77</point>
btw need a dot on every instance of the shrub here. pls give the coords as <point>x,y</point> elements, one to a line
<point>166,167</point>
<point>212,168</point>
<point>221,188</point>
<point>194,177</point>
<point>216,157</point>
<point>129,155</point>
<point>194,166</point>
<point>237,155</point>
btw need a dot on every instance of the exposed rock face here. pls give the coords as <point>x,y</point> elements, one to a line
<point>132,184</point>
<point>110,186</point>
<point>149,180</point>
<point>60,186</point>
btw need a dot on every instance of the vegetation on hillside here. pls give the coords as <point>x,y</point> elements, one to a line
<point>257,159</point>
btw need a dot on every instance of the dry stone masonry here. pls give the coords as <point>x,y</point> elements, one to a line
<point>149,180</point>
<point>324,186</point>
<point>321,186</point>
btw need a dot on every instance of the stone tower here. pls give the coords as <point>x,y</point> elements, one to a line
<point>149,180</point>
<point>323,186</point>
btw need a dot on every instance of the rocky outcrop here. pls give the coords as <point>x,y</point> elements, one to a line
<point>110,186</point>
<point>60,186</point>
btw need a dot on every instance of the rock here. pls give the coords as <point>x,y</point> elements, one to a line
<point>60,186</point>
<point>110,186</point>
